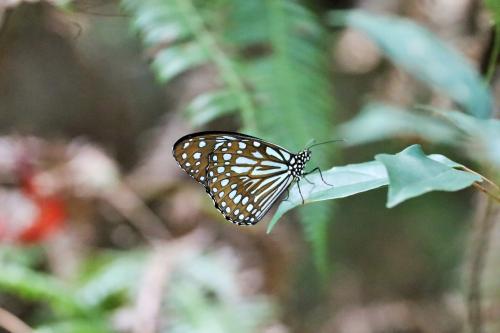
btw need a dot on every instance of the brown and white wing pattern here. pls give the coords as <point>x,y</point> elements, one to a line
<point>243,175</point>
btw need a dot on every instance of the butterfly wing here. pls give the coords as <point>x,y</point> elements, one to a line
<point>243,174</point>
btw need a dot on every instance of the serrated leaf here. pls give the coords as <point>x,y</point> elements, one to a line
<point>422,54</point>
<point>411,173</point>
<point>352,179</point>
<point>206,107</point>
<point>378,121</point>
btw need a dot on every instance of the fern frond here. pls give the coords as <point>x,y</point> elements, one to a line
<point>292,86</point>
<point>179,28</point>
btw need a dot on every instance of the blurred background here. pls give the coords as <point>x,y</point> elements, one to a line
<point>101,231</point>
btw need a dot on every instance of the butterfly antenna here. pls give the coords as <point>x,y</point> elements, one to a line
<point>325,142</point>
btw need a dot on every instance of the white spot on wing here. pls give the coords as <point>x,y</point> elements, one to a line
<point>244,160</point>
<point>224,182</point>
<point>202,144</point>
<point>242,145</point>
<point>197,156</point>
<point>270,151</point>
<point>257,154</point>
<point>227,157</point>
<point>239,169</point>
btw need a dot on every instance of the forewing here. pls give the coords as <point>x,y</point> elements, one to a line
<point>246,176</point>
<point>192,151</point>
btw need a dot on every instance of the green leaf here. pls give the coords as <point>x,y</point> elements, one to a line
<point>182,36</point>
<point>425,56</point>
<point>37,286</point>
<point>378,121</point>
<point>88,325</point>
<point>352,179</point>
<point>177,59</point>
<point>484,134</point>
<point>344,181</point>
<point>209,106</point>
<point>412,173</point>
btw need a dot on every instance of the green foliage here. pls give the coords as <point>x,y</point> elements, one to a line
<point>80,306</point>
<point>292,87</point>
<point>409,173</point>
<point>494,7</point>
<point>286,93</point>
<point>198,302</point>
<point>425,56</point>
<point>378,121</point>
<point>178,29</point>
<point>37,286</point>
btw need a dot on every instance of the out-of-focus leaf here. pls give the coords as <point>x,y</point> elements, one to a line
<point>183,38</point>
<point>89,325</point>
<point>211,105</point>
<point>411,173</point>
<point>119,275</point>
<point>485,134</point>
<point>357,178</point>
<point>37,286</point>
<point>177,59</point>
<point>425,56</point>
<point>378,121</point>
<point>494,7</point>
<point>197,302</point>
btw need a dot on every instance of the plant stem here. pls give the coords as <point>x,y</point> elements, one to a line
<point>478,251</point>
<point>494,54</point>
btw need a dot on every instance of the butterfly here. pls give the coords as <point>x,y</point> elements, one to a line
<point>243,175</point>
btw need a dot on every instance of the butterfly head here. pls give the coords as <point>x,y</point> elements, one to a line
<point>300,162</point>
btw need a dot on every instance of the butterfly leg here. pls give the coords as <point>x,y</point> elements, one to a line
<point>300,192</point>
<point>320,174</point>
<point>287,195</point>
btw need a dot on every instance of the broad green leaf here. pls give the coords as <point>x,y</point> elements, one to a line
<point>378,121</point>
<point>344,181</point>
<point>206,107</point>
<point>411,173</point>
<point>352,179</point>
<point>425,56</point>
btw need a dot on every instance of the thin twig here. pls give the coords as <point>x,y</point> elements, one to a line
<point>478,250</point>
<point>487,192</point>
<point>13,324</point>
<point>133,208</point>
